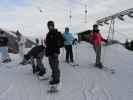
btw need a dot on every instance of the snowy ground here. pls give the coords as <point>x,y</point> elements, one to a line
<point>81,83</point>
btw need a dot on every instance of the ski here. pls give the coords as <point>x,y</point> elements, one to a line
<point>106,69</point>
<point>112,71</point>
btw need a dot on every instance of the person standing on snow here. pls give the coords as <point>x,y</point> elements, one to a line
<point>4,47</point>
<point>54,41</point>
<point>96,39</point>
<point>21,44</point>
<point>68,41</point>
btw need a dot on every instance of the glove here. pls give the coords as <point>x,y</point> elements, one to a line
<point>74,42</point>
<point>106,40</point>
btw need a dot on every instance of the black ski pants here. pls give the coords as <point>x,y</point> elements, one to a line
<point>69,53</point>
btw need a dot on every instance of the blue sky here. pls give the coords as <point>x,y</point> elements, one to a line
<point>25,16</point>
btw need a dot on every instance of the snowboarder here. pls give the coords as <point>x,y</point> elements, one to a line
<point>68,41</point>
<point>21,44</point>
<point>96,39</point>
<point>4,47</point>
<point>35,55</point>
<point>54,41</point>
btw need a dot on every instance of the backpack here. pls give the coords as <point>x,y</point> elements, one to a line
<point>131,45</point>
<point>60,42</point>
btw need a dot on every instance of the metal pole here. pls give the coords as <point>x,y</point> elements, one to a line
<point>85,14</point>
<point>70,16</point>
<point>111,30</point>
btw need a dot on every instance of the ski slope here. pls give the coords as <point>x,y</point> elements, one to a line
<point>78,83</point>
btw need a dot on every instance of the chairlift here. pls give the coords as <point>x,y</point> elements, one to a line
<point>121,17</point>
<point>106,22</point>
<point>130,14</point>
<point>101,24</point>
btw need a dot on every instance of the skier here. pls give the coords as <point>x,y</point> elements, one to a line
<point>96,39</point>
<point>4,47</point>
<point>54,41</point>
<point>21,44</point>
<point>36,55</point>
<point>68,41</point>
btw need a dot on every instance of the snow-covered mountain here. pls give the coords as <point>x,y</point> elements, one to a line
<point>78,83</point>
<point>12,40</point>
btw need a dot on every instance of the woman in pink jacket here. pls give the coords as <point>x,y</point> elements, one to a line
<point>96,40</point>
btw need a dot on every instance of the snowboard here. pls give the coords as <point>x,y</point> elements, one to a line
<point>53,88</point>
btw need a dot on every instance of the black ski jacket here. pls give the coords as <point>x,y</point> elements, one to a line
<point>54,41</point>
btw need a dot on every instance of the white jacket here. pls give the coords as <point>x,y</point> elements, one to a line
<point>22,41</point>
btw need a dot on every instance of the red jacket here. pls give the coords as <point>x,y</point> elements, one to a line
<point>96,39</point>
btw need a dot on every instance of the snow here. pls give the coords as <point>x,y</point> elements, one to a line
<point>78,83</point>
<point>7,31</point>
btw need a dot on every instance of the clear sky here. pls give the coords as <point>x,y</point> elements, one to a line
<point>25,16</point>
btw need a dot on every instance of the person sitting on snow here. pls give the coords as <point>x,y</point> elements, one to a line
<point>96,39</point>
<point>4,47</point>
<point>35,55</point>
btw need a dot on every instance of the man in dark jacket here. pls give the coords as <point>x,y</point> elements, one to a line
<point>54,41</point>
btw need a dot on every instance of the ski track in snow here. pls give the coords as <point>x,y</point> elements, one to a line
<point>96,92</point>
<point>78,83</point>
<point>5,90</point>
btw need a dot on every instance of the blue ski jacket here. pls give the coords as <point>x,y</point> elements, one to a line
<point>68,38</point>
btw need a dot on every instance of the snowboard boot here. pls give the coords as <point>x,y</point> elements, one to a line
<point>67,61</point>
<point>36,69</point>
<point>42,74</point>
<point>100,65</point>
<point>71,61</point>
